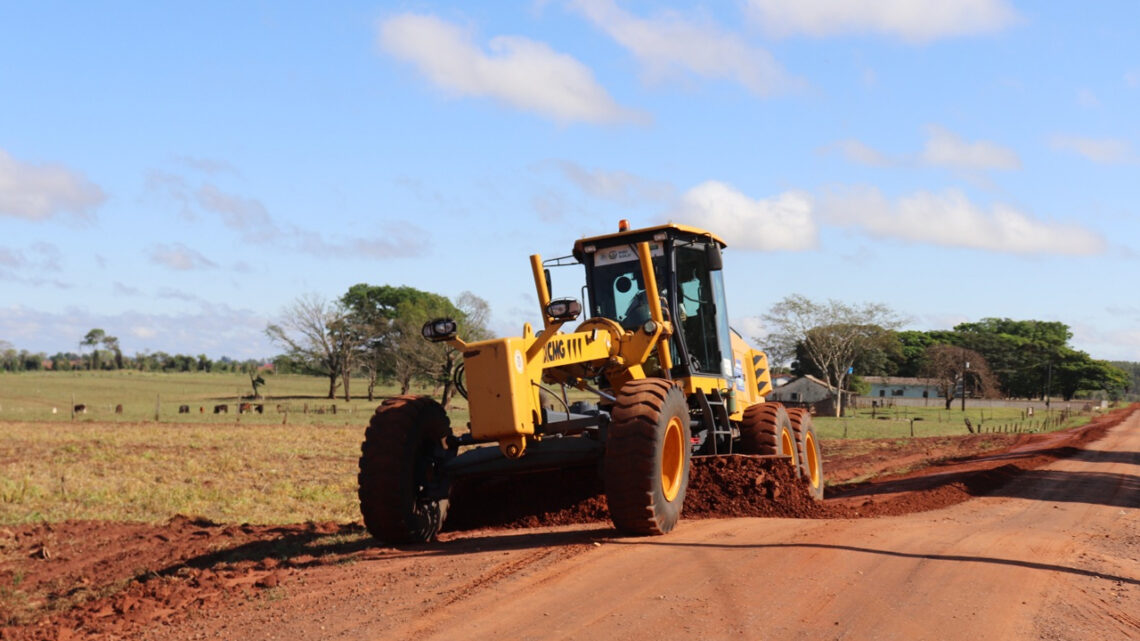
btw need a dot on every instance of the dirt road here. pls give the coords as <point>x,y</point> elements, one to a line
<point>1053,555</point>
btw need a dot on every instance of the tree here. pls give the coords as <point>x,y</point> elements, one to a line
<point>387,323</point>
<point>832,335</point>
<point>255,381</point>
<point>1077,372</point>
<point>953,369</point>
<point>304,330</point>
<point>1019,351</point>
<point>92,340</point>
<point>112,343</point>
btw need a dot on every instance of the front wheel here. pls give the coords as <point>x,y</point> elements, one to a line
<point>647,457</point>
<point>402,489</point>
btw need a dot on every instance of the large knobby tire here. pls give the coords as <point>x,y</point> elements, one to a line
<point>647,457</point>
<point>766,429</point>
<point>402,490</point>
<point>807,445</point>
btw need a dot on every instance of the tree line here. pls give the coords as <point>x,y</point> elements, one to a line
<point>995,357</point>
<point>111,359</point>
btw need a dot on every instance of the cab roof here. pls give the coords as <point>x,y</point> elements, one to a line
<point>645,234</point>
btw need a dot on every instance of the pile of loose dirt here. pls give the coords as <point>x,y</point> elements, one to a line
<point>744,486</point>
<point>719,487</point>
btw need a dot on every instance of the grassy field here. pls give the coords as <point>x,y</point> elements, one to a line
<point>258,468</point>
<point>934,421</point>
<point>47,396</point>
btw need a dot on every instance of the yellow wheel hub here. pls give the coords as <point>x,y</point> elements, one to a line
<point>673,459</point>
<point>813,466</point>
<point>789,443</point>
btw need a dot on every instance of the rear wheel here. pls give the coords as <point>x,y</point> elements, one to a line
<point>647,457</point>
<point>402,489</point>
<point>767,429</point>
<point>809,451</point>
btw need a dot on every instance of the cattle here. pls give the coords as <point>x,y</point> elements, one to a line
<point>81,408</point>
<point>259,408</point>
<point>245,408</point>
<point>221,409</point>
<point>183,409</point>
<point>119,408</point>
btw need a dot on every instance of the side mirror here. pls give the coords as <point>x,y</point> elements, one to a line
<point>712,255</point>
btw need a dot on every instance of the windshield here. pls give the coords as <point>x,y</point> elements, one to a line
<point>618,291</point>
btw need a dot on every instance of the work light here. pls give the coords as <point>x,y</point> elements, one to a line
<point>440,329</point>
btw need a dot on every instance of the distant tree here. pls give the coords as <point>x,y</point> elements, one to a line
<point>833,335</point>
<point>304,330</point>
<point>255,381</point>
<point>958,370</point>
<point>112,344</point>
<point>92,339</point>
<point>1077,372</point>
<point>1021,352</point>
<point>1132,372</point>
<point>204,363</point>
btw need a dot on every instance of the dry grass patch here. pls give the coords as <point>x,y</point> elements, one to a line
<point>148,472</point>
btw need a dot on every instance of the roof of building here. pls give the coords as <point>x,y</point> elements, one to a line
<point>900,380</point>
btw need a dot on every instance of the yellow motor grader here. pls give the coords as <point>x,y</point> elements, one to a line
<point>672,378</point>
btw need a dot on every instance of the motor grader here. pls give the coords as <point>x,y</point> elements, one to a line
<point>672,379</point>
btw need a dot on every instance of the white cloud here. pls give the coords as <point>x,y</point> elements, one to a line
<point>180,257</point>
<point>949,219</point>
<point>1106,151</point>
<point>617,186</point>
<point>781,223</point>
<point>247,215</point>
<point>520,72</point>
<point>906,19</point>
<point>400,240</point>
<point>862,154</point>
<point>944,148</point>
<point>671,41</point>
<point>39,192</point>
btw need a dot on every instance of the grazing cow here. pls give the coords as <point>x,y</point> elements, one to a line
<point>183,409</point>
<point>221,409</point>
<point>245,408</point>
<point>81,408</point>
<point>259,408</point>
<point>119,408</point>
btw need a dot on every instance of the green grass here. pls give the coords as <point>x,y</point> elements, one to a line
<point>896,422</point>
<point>47,396</point>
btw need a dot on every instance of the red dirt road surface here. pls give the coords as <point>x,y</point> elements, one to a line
<point>1039,540</point>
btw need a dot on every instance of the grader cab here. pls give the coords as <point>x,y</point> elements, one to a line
<point>671,378</point>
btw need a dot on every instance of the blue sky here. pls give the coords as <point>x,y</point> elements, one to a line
<point>177,175</point>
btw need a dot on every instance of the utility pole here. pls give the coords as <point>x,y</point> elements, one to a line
<point>1048,385</point>
<point>965,366</point>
